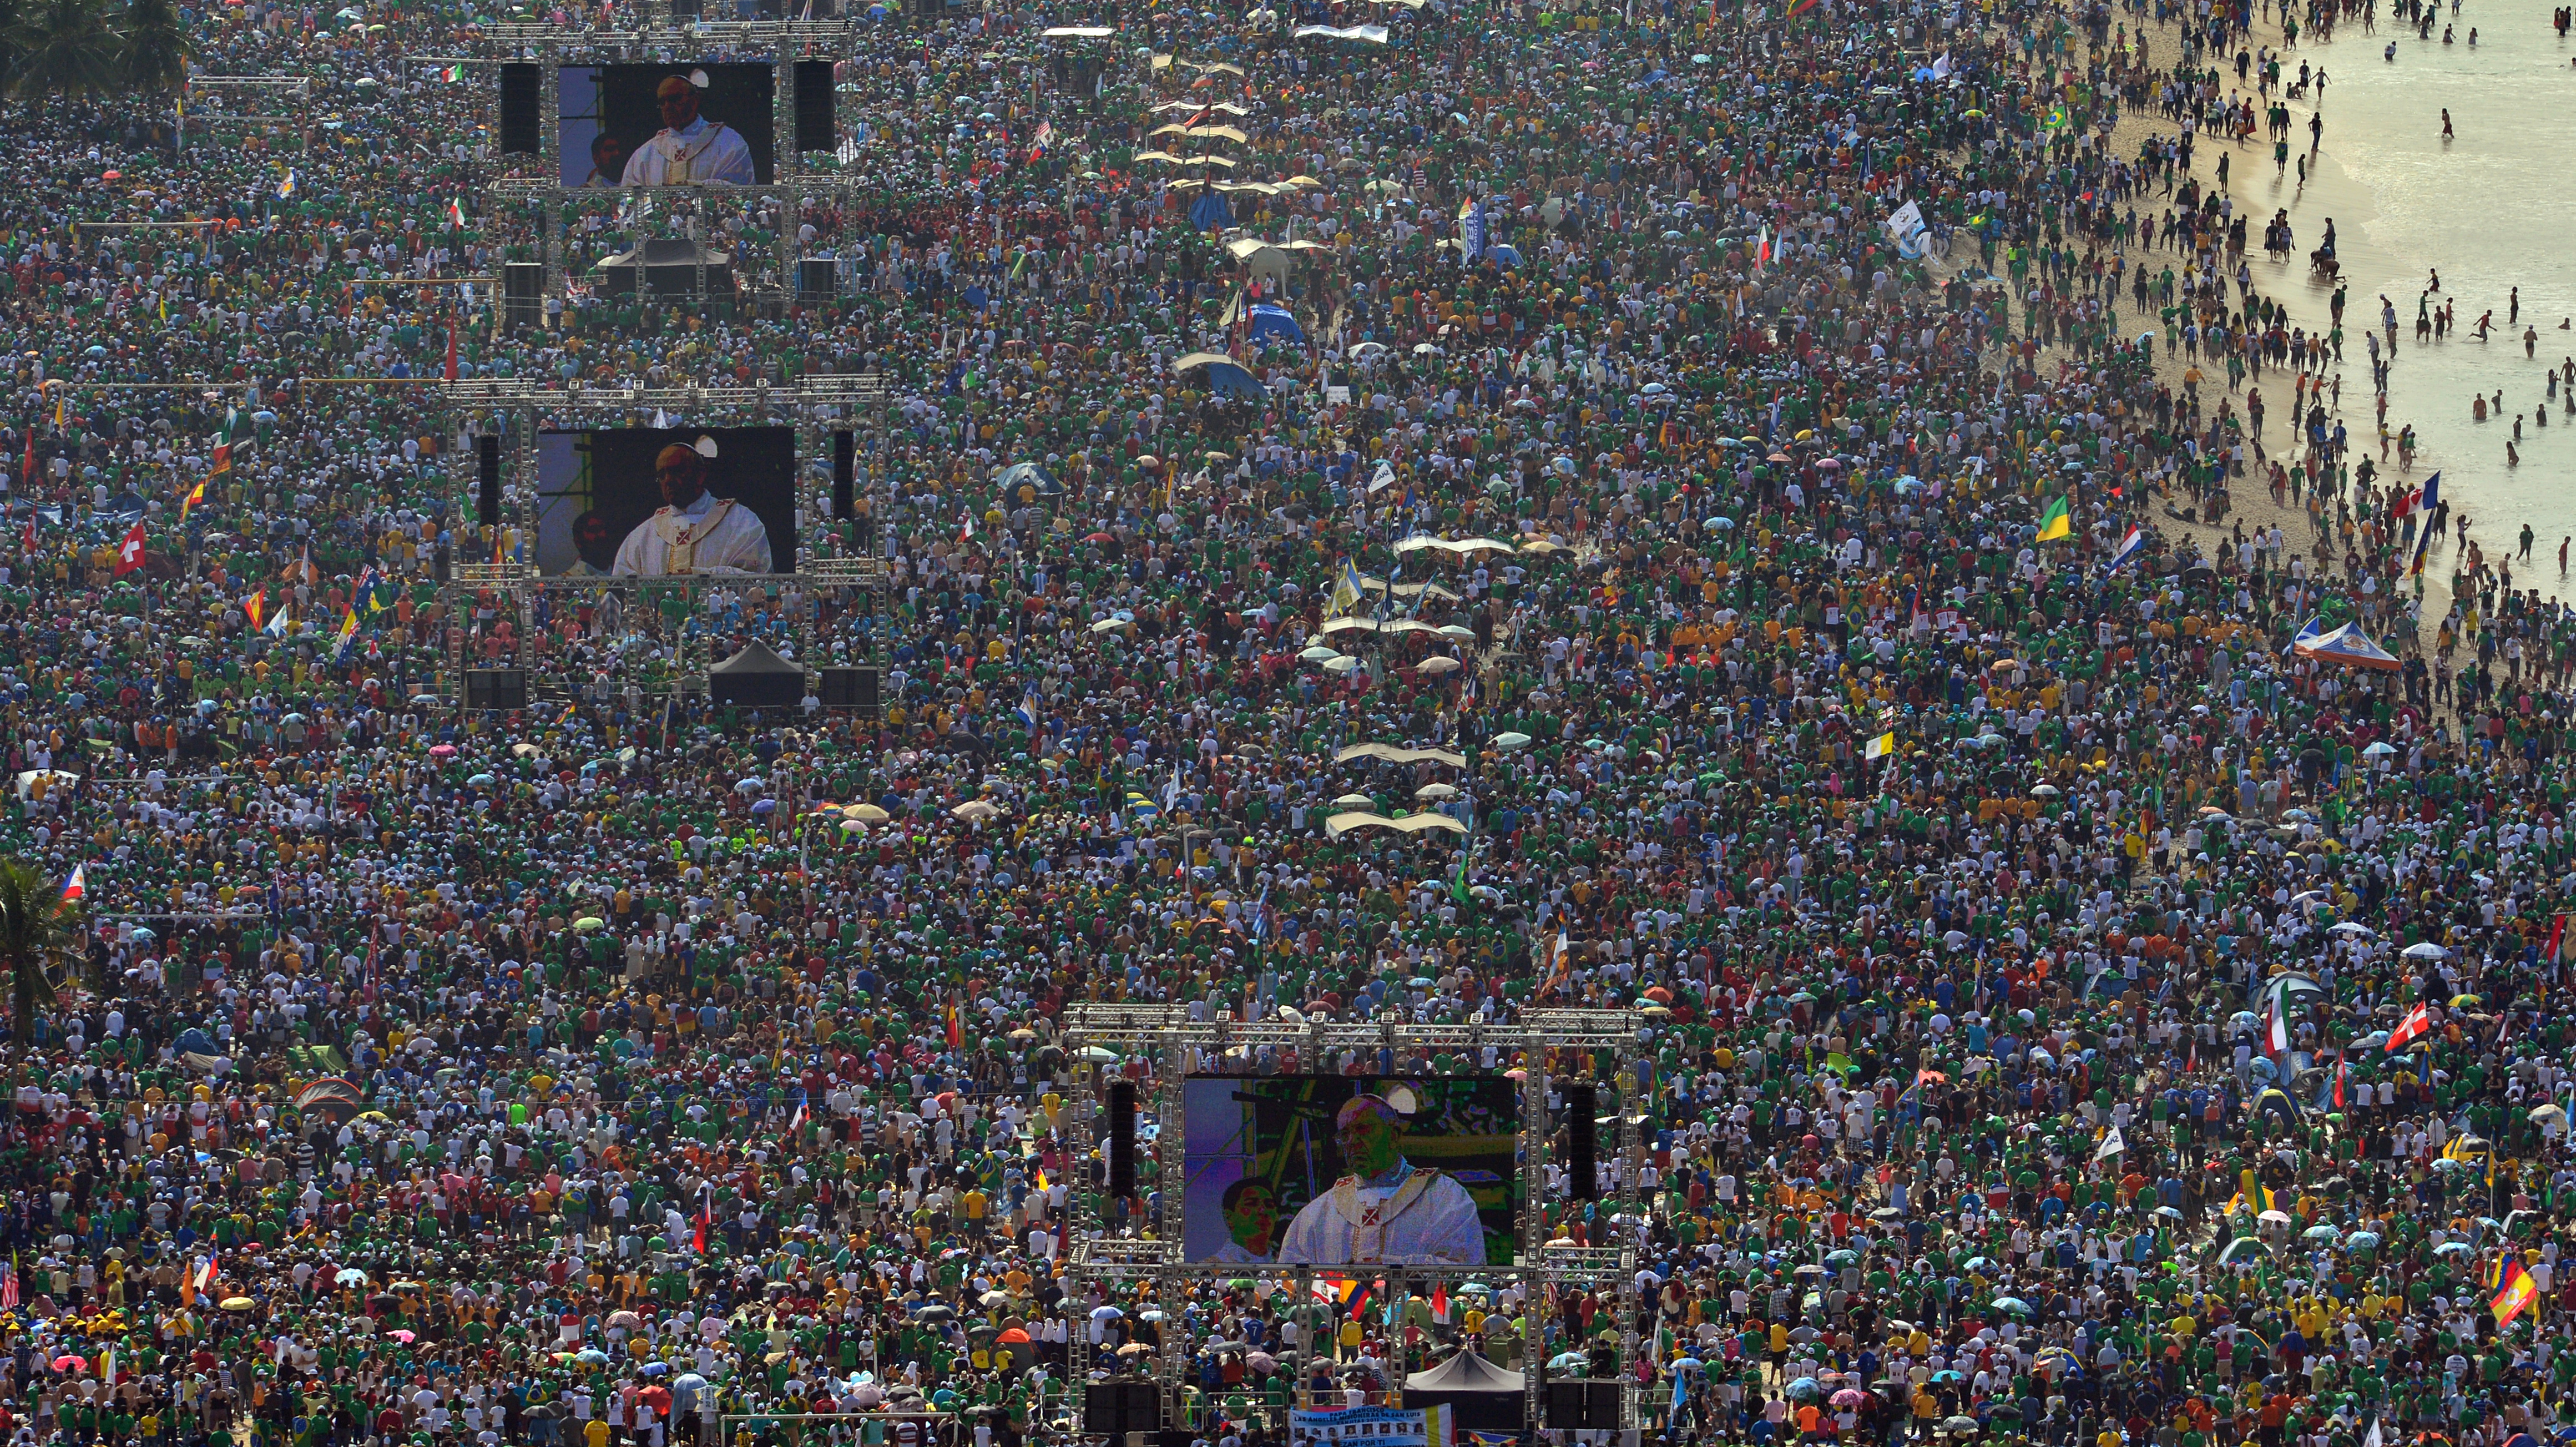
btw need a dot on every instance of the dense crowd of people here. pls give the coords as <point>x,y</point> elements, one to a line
<point>2090,972</point>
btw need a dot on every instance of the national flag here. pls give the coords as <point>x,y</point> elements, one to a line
<point>2418,1022</point>
<point>77,885</point>
<point>1801,8</point>
<point>1762,250</point>
<point>956,1027</point>
<point>304,568</point>
<point>1458,877</point>
<point>195,496</point>
<point>286,188</point>
<point>129,554</point>
<point>9,1284</point>
<point>1172,790</point>
<point>2055,522</point>
<point>2343,1072</point>
<point>2515,1292</point>
<point>452,74</point>
<point>451,354</point>
<point>1440,1300</point>
<point>2557,939</point>
<point>1346,591</point>
<point>2112,1145</point>
<point>706,1220</point>
<point>2130,550</point>
<point>62,401</point>
<point>2428,501</point>
<point>1880,747</point>
<point>2277,1034</point>
<point>1038,142</point>
<point>348,634</point>
<point>455,214</point>
<point>107,1367</point>
<point>255,607</point>
<point>223,457</point>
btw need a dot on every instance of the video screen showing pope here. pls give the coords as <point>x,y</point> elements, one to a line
<point>667,125</point>
<point>1335,1170</point>
<point>657,502</point>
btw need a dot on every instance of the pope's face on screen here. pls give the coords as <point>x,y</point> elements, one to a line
<point>680,474</point>
<point>1371,1140</point>
<point>678,101</point>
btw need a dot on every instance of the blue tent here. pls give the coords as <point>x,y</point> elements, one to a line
<point>1228,380</point>
<point>1210,213</point>
<point>1274,321</point>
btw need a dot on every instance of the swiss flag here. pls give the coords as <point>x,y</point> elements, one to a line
<point>2417,1022</point>
<point>129,554</point>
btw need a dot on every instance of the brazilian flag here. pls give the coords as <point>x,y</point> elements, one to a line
<point>2054,522</point>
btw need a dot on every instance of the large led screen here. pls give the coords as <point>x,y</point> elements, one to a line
<point>683,124</point>
<point>652,502</point>
<point>1338,1170</point>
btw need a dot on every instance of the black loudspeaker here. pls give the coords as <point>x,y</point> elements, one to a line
<point>487,480</point>
<point>851,688</point>
<point>1175,1437</point>
<point>523,88</point>
<point>1585,1405</point>
<point>523,292</point>
<point>845,476</point>
<point>1114,1409</point>
<point>814,128</point>
<point>817,278</point>
<point>496,688</point>
<point>1581,1149</point>
<point>1122,1139</point>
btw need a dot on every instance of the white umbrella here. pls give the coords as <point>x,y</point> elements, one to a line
<point>2425,950</point>
<point>1436,791</point>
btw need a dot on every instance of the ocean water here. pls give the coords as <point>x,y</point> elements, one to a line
<point>2491,209</point>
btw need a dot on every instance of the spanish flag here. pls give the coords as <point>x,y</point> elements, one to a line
<point>195,496</point>
<point>956,1028</point>
<point>255,607</point>
<point>2054,523</point>
<point>2515,1292</point>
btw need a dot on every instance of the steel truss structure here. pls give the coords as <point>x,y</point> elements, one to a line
<point>223,102</point>
<point>519,411</point>
<point>666,38</point>
<point>1178,1046</point>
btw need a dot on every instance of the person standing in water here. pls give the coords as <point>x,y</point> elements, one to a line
<point>2446,123</point>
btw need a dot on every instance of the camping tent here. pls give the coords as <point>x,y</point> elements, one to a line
<point>1274,321</point>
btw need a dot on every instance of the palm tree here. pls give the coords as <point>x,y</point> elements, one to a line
<point>66,48</point>
<point>157,50</point>
<point>33,936</point>
<point>12,14</point>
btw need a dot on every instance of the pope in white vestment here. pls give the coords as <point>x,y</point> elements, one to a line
<point>689,148</point>
<point>1387,1212</point>
<point>696,532</point>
